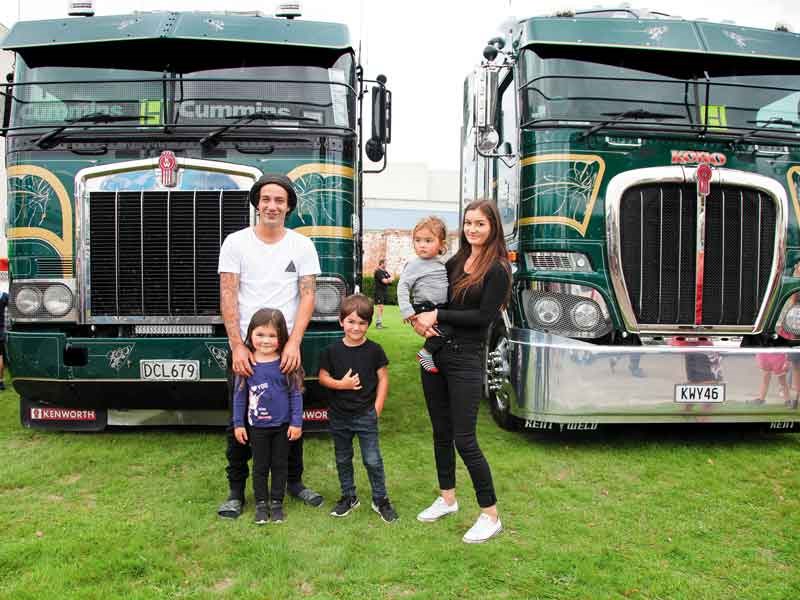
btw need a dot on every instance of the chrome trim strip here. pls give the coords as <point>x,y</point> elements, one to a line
<point>141,243</point>
<point>641,248</point>
<point>660,246</point>
<point>194,251</point>
<point>680,174</point>
<point>700,259</point>
<point>741,250</point>
<point>722,239</point>
<point>116,250</point>
<point>680,245</point>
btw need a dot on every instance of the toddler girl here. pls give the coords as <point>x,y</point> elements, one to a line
<point>272,403</point>
<point>423,282</point>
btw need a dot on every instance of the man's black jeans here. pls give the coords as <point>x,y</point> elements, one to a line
<point>453,396</point>
<point>238,454</point>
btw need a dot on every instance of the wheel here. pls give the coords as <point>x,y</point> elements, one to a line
<point>496,384</point>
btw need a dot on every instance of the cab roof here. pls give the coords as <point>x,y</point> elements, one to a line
<point>664,34</point>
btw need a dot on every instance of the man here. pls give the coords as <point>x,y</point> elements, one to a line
<point>266,266</point>
<point>382,280</point>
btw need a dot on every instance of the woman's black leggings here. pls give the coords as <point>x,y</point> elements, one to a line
<point>453,395</point>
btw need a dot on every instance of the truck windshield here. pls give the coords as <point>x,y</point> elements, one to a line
<point>303,96</point>
<point>712,94</point>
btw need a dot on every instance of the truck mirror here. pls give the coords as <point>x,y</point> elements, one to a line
<point>381,112</point>
<point>485,97</point>
<point>375,148</point>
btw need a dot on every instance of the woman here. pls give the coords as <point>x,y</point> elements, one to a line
<point>480,285</point>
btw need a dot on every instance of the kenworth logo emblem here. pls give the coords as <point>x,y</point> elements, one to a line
<point>703,176</point>
<point>169,168</point>
<point>688,157</point>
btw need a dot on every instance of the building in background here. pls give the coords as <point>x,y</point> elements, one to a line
<point>395,201</point>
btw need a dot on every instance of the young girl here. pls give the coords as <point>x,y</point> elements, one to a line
<point>272,403</point>
<point>423,283</point>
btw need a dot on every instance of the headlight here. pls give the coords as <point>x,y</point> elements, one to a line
<point>327,300</point>
<point>57,300</point>
<point>547,310</point>
<point>28,300</point>
<point>585,315</point>
<point>791,321</point>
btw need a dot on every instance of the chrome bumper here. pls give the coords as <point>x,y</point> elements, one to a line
<point>560,380</point>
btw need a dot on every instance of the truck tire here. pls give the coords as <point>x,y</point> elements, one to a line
<point>499,404</point>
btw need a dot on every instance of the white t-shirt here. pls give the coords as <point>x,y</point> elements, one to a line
<point>268,273</point>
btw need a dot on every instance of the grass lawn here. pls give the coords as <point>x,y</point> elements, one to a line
<point>630,513</point>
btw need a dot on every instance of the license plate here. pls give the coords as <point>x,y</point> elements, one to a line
<point>169,370</point>
<point>713,392</point>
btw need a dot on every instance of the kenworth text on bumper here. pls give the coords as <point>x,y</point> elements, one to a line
<point>647,171</point>
<point>132,144</point>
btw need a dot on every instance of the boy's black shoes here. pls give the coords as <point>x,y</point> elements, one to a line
<point>231,508</point>
<point>305,494</point>
<point>385,509</point>
<point>276,511</point>
<point>345,506</point>
<point>262,512</point>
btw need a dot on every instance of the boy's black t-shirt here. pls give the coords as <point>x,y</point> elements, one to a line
<point>365,360</point>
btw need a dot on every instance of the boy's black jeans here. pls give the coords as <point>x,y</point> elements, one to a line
<point>453,396</point>
<point>270,456</point>
<point>238,454</point>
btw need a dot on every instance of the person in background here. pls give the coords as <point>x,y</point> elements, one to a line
<point>480,287</point>
<point>382,280</point>
<point>354,369</point>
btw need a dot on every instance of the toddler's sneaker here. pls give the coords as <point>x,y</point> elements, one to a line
<point>262,512</point>
<point>345,506</point>
<point>276,511</point>
<point>425,359</point>
<point>484,529</point>
<point>385,509</point>
<point>437,510</point>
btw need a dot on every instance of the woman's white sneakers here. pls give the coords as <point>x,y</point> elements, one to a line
<point>437,510</point>
<point>484,529</point>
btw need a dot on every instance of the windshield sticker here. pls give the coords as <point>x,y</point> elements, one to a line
<point>714,116</point>
<point>656,33</point>
<point>216,24</point>
<point>149,112</point>
<point>691,157</point>
<point>565,191</point>
<point>739,40</point>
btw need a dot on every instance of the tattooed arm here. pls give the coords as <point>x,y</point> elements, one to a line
<point>229,307</point>
<point>290,357</point>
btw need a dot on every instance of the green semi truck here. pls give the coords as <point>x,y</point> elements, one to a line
<point>647,172</point>
<point>131,144</point>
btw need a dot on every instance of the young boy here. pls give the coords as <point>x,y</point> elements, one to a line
<point>354,369</point>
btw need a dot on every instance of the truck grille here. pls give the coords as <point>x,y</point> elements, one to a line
<point>658,237</point>
<point>155,254</point>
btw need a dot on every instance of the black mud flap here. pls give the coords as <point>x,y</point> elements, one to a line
<point>36,415</point>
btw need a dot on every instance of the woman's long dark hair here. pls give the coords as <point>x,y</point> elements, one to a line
<point>274,317</point>
<point>494,251</point>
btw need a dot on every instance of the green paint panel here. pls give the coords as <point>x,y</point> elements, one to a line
<point>161,25</point>
<point>729,39</point>
<point>41,355</point>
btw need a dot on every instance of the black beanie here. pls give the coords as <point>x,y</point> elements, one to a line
<point>277,179</point>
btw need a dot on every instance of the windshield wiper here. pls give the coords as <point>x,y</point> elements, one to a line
<point>765,125</point>
<point>212,137</point>
<point>49,139</point>
<point>637,114</point>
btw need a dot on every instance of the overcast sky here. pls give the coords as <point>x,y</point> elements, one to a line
<point>425,48</point>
